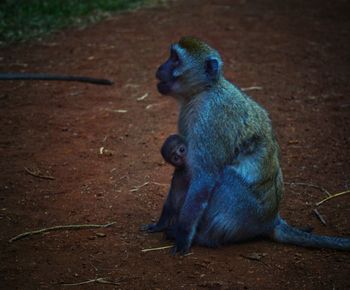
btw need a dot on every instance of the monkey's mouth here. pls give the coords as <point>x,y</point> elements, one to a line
<point>164,87</point>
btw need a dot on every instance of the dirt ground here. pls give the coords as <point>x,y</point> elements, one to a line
<point>297,51</point>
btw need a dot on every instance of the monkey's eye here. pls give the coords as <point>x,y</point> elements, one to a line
<point>182,149</point>
<point>175,160</point>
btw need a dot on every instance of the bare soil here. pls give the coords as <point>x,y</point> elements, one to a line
<point>297,51</point>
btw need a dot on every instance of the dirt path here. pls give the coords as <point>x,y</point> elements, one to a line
<point>298,53</point>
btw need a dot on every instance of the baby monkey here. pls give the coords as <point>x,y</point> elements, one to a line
<point>174,151</point>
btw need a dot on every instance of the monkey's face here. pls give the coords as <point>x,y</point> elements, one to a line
<point>187,72</point>
<point>174,150</point>
<point>165,73</point>
<point>178,156</point>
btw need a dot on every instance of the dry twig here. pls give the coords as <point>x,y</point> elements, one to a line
<point>138,187</point>
<point>161,184</point>
<point>133,86</point>
<point>155,105</point>
<point>142,97</point>
<point>309,185</point>
<point>332,196</point>
<point>117,110</point>
<point>254,88</point>
<point>157,249</point>
<point>37,173</point>
<point>97,280</point>
<point>319,216</point>
<point>61,227</point>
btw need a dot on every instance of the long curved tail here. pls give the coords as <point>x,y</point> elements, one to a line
<point>52,77</point>
<point>285,233</point>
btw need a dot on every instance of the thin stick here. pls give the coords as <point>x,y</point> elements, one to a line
<point>251,89</point>
<point>138,187</point>
<point>142,97</point>
<point>310,185</point>
<point>117,110</point>
<point>66,227</point>
<point>37,174</point>
<point>319,216</point>
<point>332,196</point>
<point>98,280</point>
<point>161,184</point>
<point>157,249</point>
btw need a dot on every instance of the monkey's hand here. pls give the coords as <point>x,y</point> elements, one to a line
<point>151,228</point>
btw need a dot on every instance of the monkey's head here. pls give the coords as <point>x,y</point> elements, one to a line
<point>174,151</point>
<point>191,68</point>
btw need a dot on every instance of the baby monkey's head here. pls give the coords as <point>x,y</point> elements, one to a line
<point>174,151</point>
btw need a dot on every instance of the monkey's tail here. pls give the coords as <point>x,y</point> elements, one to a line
<point>285,233</point>
<point>53,77</point>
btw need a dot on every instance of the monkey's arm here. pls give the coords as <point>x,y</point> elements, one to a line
<point>193,208</point>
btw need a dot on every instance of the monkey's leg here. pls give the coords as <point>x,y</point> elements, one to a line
<point>232,215</point>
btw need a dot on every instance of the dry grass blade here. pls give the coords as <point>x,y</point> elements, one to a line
<point>137,187</point>
<point>98,280</point>
<point>122,111</point>
<point>142,97</point>
<point>332,196</point>
<point>37,173</point>
<point>309,185</point>
<point>319,216</point>
<point>157,249</point>
<point>61,227</point>
<point>254,88</point>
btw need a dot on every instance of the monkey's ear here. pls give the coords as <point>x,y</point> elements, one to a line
<point>212,67</point>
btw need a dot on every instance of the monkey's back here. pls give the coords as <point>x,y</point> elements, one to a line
<point>222,119</point>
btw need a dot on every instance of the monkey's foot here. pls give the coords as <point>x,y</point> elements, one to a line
<point>151,228</point>
<point>183,243</point>
<point>183,252</point>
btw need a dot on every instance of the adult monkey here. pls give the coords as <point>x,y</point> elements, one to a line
<point>215,119</point>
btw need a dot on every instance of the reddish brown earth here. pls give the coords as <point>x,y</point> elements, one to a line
<point>297,51</point>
